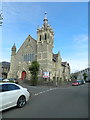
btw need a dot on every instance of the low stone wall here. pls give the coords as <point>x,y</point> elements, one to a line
<point>46,83</point>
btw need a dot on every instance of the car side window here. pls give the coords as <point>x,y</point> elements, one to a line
<point>11,87</point>
<point>4,88</point>
<point>0,88</point>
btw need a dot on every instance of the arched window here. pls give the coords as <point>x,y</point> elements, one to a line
<point>30,57</point>
<point>40,37</point>
<point>45,36</point>
<point>26,57</point>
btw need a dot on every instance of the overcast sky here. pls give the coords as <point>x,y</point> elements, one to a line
<point>69,21</point>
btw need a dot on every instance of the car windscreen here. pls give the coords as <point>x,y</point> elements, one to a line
<point>78,80</point>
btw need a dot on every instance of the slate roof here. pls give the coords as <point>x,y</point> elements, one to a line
<point>5,64</point>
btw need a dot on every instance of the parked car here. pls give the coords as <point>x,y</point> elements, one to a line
<point>75,83</point>
<point>83,81</point>
<point>5,80</point>
<point>1,79</point>
<point>88,80</point>
<point>13,80</point>
<point>79,81</point>
<point>11,95</point>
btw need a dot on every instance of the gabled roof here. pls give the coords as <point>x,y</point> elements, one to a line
<point>29,37</point>
<point>5,64</point>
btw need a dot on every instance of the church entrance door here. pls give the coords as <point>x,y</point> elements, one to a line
<point>23,76</point>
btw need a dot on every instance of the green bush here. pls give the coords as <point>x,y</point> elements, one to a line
<point>34,69</point>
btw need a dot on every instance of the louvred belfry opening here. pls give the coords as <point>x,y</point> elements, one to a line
<point>23,76</point>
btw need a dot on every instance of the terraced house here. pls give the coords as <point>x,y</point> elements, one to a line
<point>40,50</point>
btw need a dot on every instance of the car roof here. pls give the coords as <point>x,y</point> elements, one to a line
<point>5,80</point>
<point>6,83</point>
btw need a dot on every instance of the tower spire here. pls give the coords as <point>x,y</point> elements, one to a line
<point>45,20</point>
<point>45,17</point>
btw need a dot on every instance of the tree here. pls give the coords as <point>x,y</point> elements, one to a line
<point>4,75</point>
<point>84,76</point>
<point>73,76</point>
<point>34,69</point>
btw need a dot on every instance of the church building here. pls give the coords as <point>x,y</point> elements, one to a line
<point>51,65</point>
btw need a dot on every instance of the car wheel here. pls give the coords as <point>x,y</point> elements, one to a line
<point>21,102</point>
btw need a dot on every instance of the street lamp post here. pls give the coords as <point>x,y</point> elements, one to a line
<point>42,74</point>
<point>55,79</point>
<point>1,19</point>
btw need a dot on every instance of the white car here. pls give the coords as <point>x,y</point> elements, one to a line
<point>12,95</point>
<point>5,80</point>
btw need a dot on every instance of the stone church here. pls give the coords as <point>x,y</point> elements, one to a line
<point>40,50</point>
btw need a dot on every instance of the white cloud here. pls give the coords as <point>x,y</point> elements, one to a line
<point>81,42</point>
<point>20,13</point>
<point>81,38</point>
<point>78,64</point>
<point>78,58</point>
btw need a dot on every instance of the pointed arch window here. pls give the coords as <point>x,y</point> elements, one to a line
<point>29,57</point>
<point>40,37</point>
<point>26,58</point>
<point>45,36</point>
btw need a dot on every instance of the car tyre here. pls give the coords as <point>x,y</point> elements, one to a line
<point>21,101</point>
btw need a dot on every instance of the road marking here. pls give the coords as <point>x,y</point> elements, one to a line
<point>36,94</point>
<point>44,91</point>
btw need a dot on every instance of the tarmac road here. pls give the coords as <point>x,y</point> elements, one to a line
<point>55,102</point>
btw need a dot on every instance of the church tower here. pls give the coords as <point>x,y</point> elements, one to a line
<point>12,72</point>
<point>14,50</point>
<point>45,38</point>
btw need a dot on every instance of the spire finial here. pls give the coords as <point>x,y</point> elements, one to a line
<point>45,15</point>
<point>45,19</point>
